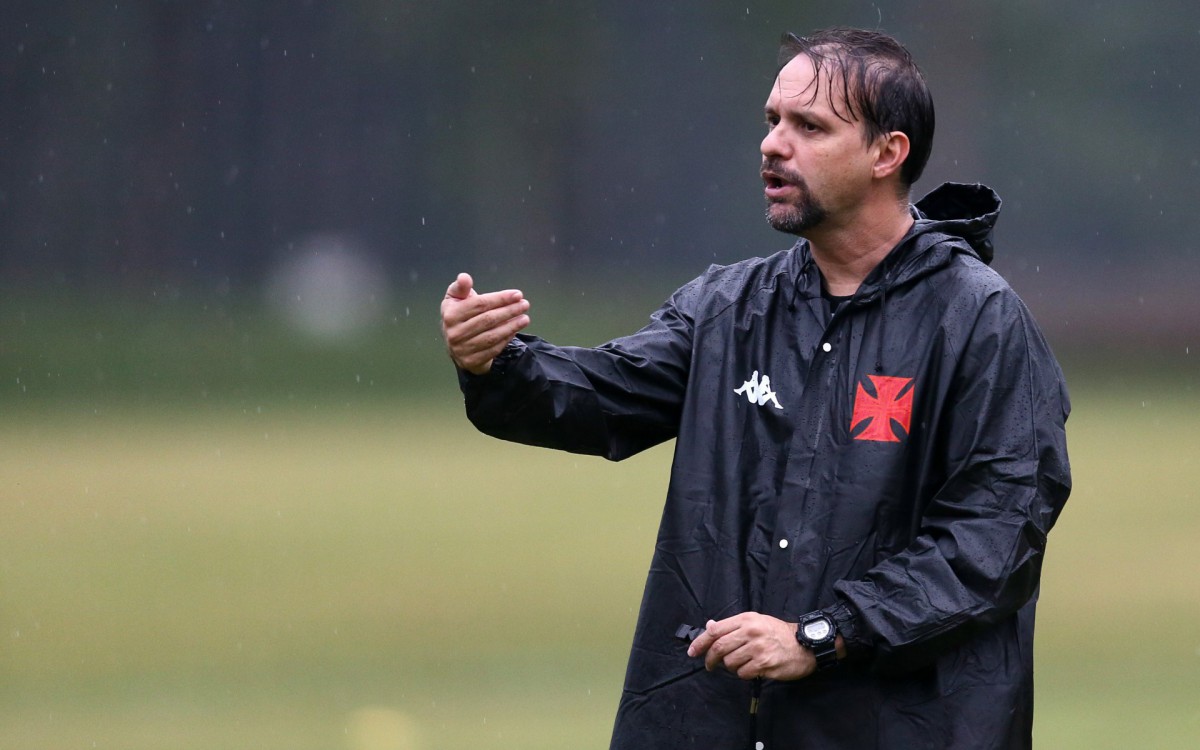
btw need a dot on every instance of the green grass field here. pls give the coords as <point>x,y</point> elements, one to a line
<point>369,574</point>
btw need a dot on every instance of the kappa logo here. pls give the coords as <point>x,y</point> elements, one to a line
<point>758,391</point>
<point>892,402</point>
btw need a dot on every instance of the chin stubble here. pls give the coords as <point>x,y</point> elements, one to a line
<point>797,217</point>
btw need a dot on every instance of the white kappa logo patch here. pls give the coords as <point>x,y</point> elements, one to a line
<point>758,391</point>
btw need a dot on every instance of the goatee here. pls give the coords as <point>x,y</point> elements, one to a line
<point>795,218</point>
<point>800,215</point>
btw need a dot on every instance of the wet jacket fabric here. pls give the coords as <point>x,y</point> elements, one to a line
<point>898,464</point>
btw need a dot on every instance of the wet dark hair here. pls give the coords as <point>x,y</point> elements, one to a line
<point>881,85</point>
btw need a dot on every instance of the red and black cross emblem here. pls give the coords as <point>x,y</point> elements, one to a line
<point>880,413</point>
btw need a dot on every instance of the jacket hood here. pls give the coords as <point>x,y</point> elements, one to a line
<point>954,219</point>
<point>958,210</point>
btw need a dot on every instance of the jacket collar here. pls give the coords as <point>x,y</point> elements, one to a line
<point>954,218</point>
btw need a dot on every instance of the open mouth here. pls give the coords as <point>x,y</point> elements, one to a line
<point>776,185</point>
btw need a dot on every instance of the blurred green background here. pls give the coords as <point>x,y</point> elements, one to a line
<point>240,505</point>
<point>310,556</point>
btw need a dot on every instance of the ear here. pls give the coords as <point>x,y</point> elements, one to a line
<point>893,150</point>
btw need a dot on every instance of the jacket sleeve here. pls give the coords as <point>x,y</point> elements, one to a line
<point>977,556</point>
<point>613,400</point>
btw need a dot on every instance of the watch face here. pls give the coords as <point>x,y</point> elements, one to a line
<point>817,630</point>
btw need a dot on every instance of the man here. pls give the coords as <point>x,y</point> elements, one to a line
<point>870,443</point>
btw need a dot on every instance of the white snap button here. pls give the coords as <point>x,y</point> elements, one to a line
<point>827,346</point>
<point>782,544</point>
<point>759,746</point>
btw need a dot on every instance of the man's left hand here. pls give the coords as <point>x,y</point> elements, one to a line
<point>753,645</point>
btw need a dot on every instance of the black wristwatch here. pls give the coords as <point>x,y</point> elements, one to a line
<point>818,633</point>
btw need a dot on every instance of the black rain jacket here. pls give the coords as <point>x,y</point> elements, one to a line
<point>897,464</point>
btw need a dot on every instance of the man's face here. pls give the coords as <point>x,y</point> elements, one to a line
<point>816,166</point>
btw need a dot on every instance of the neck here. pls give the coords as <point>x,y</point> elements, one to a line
<point>847,253</point>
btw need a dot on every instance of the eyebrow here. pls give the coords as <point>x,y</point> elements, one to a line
<point>803,112</point>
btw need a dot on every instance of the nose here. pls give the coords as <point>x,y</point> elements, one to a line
<point>773,144</point>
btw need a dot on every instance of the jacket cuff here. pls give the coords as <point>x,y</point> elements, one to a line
<point>500,365</point>
<point>848,628</point>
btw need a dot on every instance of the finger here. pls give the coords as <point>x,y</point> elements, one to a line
<point>725,648</point>
<point>740,660</point>
<point>748,670</point>
<point>462,330</point>
<point>476,355</point>
<point>721,652</point>
<point>703,642</point>
<point>462,287</point>
<point>722,628</point>
<point>488,343</point>
<point>455,311</point>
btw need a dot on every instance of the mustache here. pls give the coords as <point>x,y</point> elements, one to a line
<point>775,167</point>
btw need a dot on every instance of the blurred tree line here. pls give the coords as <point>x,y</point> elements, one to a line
<point>193,144</point>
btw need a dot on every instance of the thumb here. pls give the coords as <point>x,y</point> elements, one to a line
<point>462,287</point>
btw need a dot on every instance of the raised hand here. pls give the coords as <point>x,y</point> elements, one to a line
<point>476,326</point>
